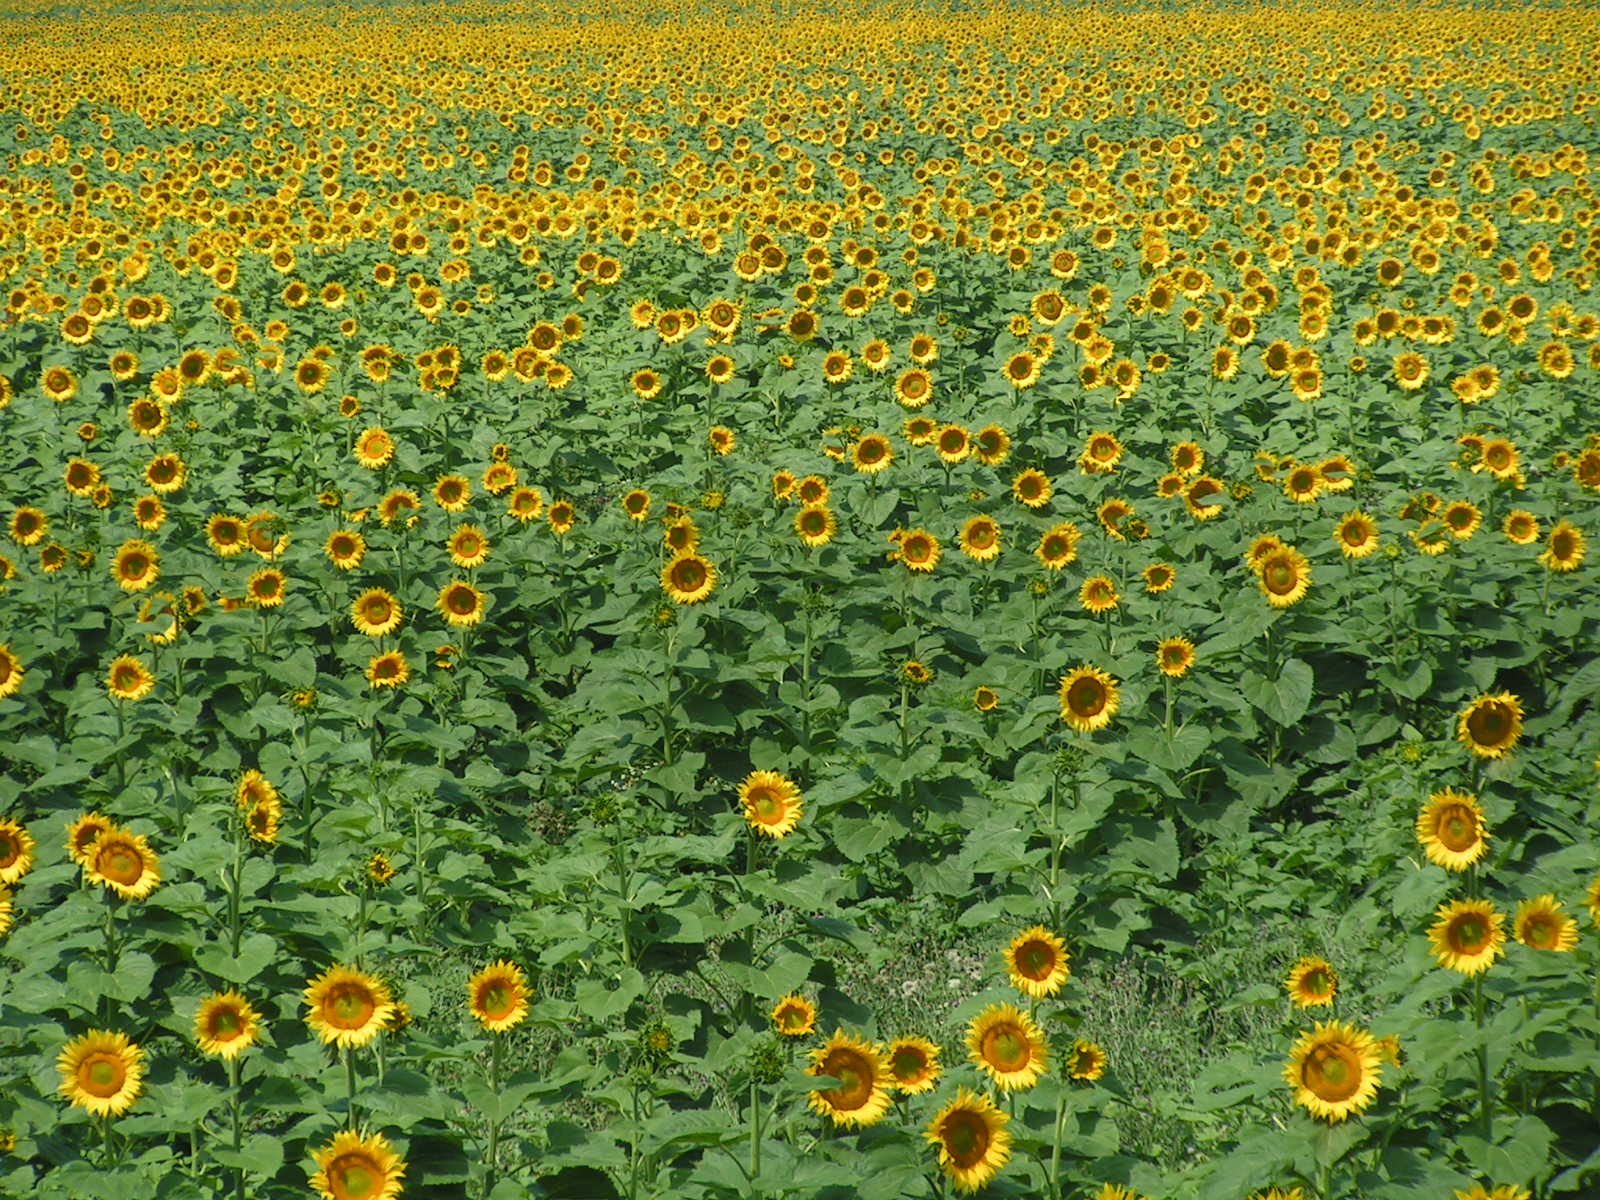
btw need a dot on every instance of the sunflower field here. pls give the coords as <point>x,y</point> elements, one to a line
<point>852,601</point>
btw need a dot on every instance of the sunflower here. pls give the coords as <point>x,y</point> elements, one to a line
<point>1058,546</point>
<point>914,388</point>
<point>226,1025</point>
<point>81,477</point>
<point>991,445</point>
<point>12,672</point>
<point>772,803</point>
<point>985,699</point>
<point>1086,1061</point>
<point>815,525</point>
<point>1541,925</point>
<point>347,1007</point>
<point>468,547</point>
<point>1174,657</point>
<point>872,454</point>
<point>646,384</point>
<point>226,534</point>
<point>525,504</point>
<point>1521,527</point>
<point>919,551</point>
<point>1101,453</point>
<point>81,835</point>
<point>680,535</point>
<point>389,669</point>
<point>123,862</point>
<point>1410,371</point>
<point>862,1095</point>
<point>953,444</point>
<point>266,588</point>
<point>452,492</point>
<point>376,613</point>
<point>1504,1191</point>
<point>252,789</point>
<point>1356,535</point>
<point>1311,982</point>
<point>498,996</point>
<point>166,474</point>
<point>149,513</point>
<point>101,1072</point>
<point>1467,936</point>
<point>29,526</point>
<point>261,820</point>
<point>345,549</point>
<point>6,912</point>
<point>1201,498</point>
<point>688,578</point>
<point>1022,370</point>
<point>1036,961</point>
<point>1303,484</point>
<point>1284,576</point>
<point>969,1134</point>
<point>813,489</point>
<point>461,604</point>
<point>16,852</point>
<point>374,448</point>
<point>1334,1070</point>
<point>498,477</point>
<point>562,517</point>
<point>836,367</point>
<point>1031,488</point>
<point>1451,830</point>
<point>352,1167</point>
<point>1089,699</point>
<point>127,679</point>
<point>1491,725</point>
<point>794,1016</point>
<point>1462,519</point>
<point>1565,548</point>
<point>921,431</point>
<point>783,484</point>
<point>1098,594</point>
<point>721,439</point>
<point>1005,1044</point>
<point>980,539</point>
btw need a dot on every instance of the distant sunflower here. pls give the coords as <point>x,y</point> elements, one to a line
<point>872,454</point>
<point>1462,519</point>
<point>468,547</point>
<point>16,851</point>
<point>721,439</point>
<point>914,388</point>
<point>1334,1071</point>
<point>919,551</point>
<point>913,1064</point>
<point>772,803</point>
<point>374,448</point>
<point>1188,459</point>
<point>1491,725</point>
<point>389,669</point>
<point>636,504</point>
<point>1284,576</point>
<point>1089,699</point>
<point>226,1025</point>
<point>1005,1044</point>
<point>813,489</point>
<point>680,535</point>
<point>1504,1191</point>
<point>1101,453</point>
<point>525,504</point>
<point>127,679</point>
<point>136,566</point>
<point>953,444</point>
<point>1467,936</point>
<point>345,549</point>
<point>1541,925</point>
<point>1303,484</point>
<point>980,539</point>
<point>1022,370</point>
<point>970,1137</point>
<point>1174,656</point>
<point>1158,578</point>
<point>101,1072</point>
<point>1202,498</point>
<point>81,836</point>
<point>985,699</point>
<point>1451,830</point>
<point>1086,1061</point>
<point>352,1167</point>
<point>1031,488</point>
<point>1521,527</point>
<point>1098,594</point>
<point>1037,963</point>
<point>794,1016</point>
<point>498,996</point>
<point>991,445</point>
<point>861,1096</point>
<point>124,863</point>
<point>12,672</point>
<point>562,517</point>
<point>347,1007</point>
<point>266,588</point>
<point>1356,534</point>
<point>226,534</point>
<point>461,604</point>
<point>1311,982</point>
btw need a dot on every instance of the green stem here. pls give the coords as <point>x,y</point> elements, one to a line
<point>1055,849</point>
<point>238,1124</point>
<point>1167,723</point>
<point>350,1084</point>
<point>236,888</point>
<point>494,1125</point>
<point>122,769</point>
<point>1483,1060</point>
<point>1055,1148</point>
<point>755,1131</point>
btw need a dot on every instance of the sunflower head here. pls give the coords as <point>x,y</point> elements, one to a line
<point>498,996</point>
<point>102,1072</point>
<point>124,863</point>
<point>1089,699</point>
<point>861,1094</point>
<point>970,1137</point>
<point>1467,936</point>
<point>1451,830</point>
<point>1541,925</point>
<point>794,1016</point>
<point>346,1007</point>
<point>1334,1071</point>
<point>353,1167</point>
<point>1311,982</point>
<point>688,578</point>
<point>772,803</point>
<point>1491,725</point>
<point>913,1064</point>
<point>1037,962</point>
<point>1005,1044</point>
<point>1086,1061</point>
<point>226,1025</point>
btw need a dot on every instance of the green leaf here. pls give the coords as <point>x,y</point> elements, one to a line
<point>1284,699</point>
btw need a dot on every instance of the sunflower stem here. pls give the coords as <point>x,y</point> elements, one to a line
<point>238,1124</point>
<point>494,1123</point>
<point>1167,724</point>
<point>1485,1110</point>
<point>1055,1147</point>
<point>350,1084</point>
<point>122,768</point>
<point>755,1130</point>
<point>236,887</point>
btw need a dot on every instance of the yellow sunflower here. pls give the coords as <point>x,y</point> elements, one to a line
<point>1086,1061</point>
<point>389,669</point>
<point>498,996</point>
<point>226,1025</point>
<point>794,1016</point>
<point>266,588</point>
<point>980,539</point>
<point>127,679</point>
<point>1089,699</point>
<point>991,445</point>
<point>352,1167</point>
<point>1521,527</point>
<point>688,578</point>
<point>872,454</point>
<point>562,517</point>
<point>6,910</point>
<point>1284,576</point>
<point>953,443</point>
<point>1031,488</point>
<point>101,1072</point>
<point>970,1136</point>
<point>1311,982</point>
<point>862,1095</point>
<point>81,835</point>
<point>376,613</point>
<point>772,803</point>
<point>1159,577</point>
<point>1503,1191</point>
<point>468,547</point>
<point>913,1064</point>
<point>1541,925</point>
<point>461,604</point>
<point>525,504</point>
<point>1491,725</point>
<point>1005,1044</point>
<point>16,851</point>
<point>1565,548</point>
<point>1174,657</point>
<point>919,551</point>
<point>815,525</point>
<point>1451,830</point>
<point>1203,498</point>
<point>374,448</point>
<point>123,862</point>
<point>347,1007</point>
<point>1334,1070</point>
<point>1036,960</point>
<point>1468,936</point>
<point>136,566</point>
<point>1356,534</point>
<point>636,504</point>
<point>1058,546</point>
<point>1098,594</point>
